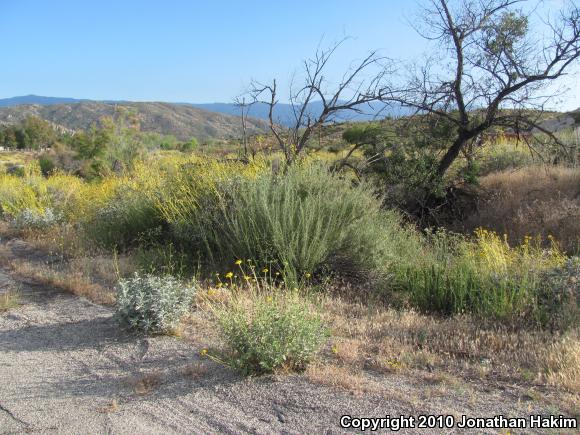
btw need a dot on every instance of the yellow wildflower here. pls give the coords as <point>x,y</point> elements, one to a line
<point>238,262</point>
<point>265,270</point>
<point>203,352</point>
<point>229,275</point>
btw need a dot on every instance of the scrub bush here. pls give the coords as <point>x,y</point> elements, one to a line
<point>153,304</point>
<point>269,331</point>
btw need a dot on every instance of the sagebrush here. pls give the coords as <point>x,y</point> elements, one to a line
<point>153,304</point>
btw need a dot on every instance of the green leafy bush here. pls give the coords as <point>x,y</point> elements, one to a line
<point>46,165</point>
<point>127,218</point>
<point>270,331</point>
<point>152,304</point>
<point>303,221</point>
<point>559,296</point>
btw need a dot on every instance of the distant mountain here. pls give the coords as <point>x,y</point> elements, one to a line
<point>36,99</point>
<point>182,121</point>
<point>203,121</point>
<point>283,113</point>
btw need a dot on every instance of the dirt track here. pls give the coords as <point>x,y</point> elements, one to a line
<point>66,367</point>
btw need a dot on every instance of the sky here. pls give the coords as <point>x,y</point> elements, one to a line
<point>192,51</point>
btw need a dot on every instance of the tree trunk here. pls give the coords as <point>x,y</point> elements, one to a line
<point>451,154</point>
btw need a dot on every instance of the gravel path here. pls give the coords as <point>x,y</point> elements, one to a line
<point>65,367</point>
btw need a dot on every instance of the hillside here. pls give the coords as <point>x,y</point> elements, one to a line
<point>182,121</point>
<point>36,99</point>
<point>203,121</point>
<point>283,113</point>
<point>563,121</point>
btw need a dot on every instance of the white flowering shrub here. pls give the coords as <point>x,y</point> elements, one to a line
<point>35,219</point>
<point>153,304</point>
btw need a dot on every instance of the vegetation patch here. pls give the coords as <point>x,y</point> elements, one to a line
<point>153,304</point>
<point>268,331</point>
<point>483,276</point>
<point>9,299</point>
<point>303,222</point>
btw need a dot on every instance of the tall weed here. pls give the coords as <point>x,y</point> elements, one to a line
<point>483,275</point>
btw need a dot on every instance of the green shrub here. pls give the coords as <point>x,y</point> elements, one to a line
<point>47,166</point>
<point>127,218</point>
<point>152,304</point>
<point>504,156</point>
<point>163,258</point>
<point>18,194</point>
<point>559,296</point>
<point>34,198</point>
<point>270,331</point>
<point>304,221</point>
<point>462,288</point>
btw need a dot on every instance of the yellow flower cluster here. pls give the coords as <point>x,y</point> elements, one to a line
<point>496,255</point>
<point>250,275</point>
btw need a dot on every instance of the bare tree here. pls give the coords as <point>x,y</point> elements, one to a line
<point>240,102</point>
<point>493,69</point>
<point>316,102</point>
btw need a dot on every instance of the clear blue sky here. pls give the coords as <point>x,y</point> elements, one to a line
<point>190,51</point>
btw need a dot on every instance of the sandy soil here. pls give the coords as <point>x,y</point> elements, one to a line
<point>67,368</point>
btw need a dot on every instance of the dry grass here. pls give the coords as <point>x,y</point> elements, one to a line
<point>64,243</point>
<point>390,341</point>
<point>111,407</point>
<point>144,384</point>
<point>104,270</point>
<point>531,201</point>
<point>61,241</point>
<point>71,268</point>
<point>196,370</point>
<point>345,378</point>
<point>8,300</point>
<point>70,281</point>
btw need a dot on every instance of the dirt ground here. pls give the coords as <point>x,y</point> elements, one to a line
<point>67,368</point>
